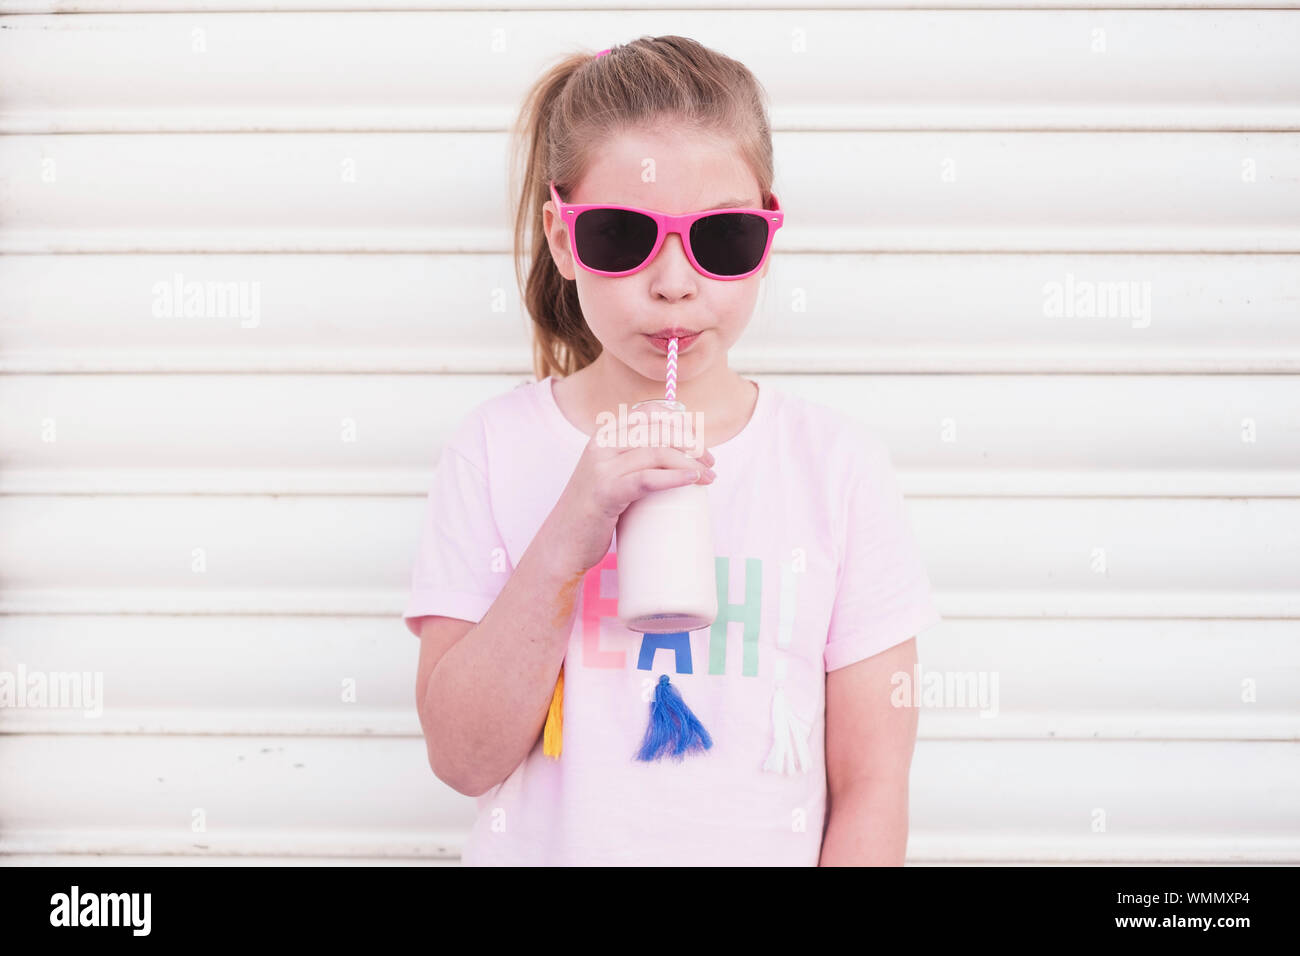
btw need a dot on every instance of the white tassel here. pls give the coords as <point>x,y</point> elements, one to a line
<point>790,752</point>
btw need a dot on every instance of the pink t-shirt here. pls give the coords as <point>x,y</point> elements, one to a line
<point>821,568</point>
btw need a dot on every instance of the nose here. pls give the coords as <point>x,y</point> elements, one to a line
<point>673,258</point>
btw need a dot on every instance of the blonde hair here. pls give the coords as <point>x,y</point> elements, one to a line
<point>582,102</point>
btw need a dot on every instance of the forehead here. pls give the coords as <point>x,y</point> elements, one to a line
<point>668,171</point>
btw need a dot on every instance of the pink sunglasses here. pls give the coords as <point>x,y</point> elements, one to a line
<point>620,240</point>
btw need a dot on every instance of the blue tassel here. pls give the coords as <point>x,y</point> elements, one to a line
<point>673,729</point>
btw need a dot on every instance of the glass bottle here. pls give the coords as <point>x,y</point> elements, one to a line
<point>667,579</point>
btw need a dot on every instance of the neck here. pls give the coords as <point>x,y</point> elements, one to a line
<point>719,394</point>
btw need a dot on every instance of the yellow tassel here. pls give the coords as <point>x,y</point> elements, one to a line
<point>554,720</point>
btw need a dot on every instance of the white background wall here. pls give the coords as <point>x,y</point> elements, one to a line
<point>217,511</point>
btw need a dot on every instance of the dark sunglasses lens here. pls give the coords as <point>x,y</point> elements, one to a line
<point>614,240</point>
<point>729,243</point>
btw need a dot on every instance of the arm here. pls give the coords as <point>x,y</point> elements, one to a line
<point>869,744</point>
<point>483,702</point>
<point>483,690</point>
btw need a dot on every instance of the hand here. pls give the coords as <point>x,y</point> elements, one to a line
<point>605,481</point>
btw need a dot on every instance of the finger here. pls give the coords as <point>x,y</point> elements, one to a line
<point>677,430</point>
<point>702,455</point>
<point>693,449</point>
<point>638,484</point>
<point>654,456</point>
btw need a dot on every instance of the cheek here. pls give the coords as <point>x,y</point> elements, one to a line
<point>733,311</point>
<point>605,306</point>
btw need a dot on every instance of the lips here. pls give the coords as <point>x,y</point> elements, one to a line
<point>660,341</point>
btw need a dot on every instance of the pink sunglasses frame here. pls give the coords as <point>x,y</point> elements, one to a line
<point>666,224</point>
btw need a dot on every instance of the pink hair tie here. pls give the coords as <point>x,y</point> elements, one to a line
<point>602,53</point>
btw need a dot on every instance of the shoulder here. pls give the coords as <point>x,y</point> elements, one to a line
<point>843,445</point>
<point>490,420</point>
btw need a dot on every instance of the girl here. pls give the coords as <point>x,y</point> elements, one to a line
<point>769,737</point>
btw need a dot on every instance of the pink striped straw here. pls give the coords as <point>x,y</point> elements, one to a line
<point>672,369</point>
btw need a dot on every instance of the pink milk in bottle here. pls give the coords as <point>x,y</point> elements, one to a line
<point>667,580</point>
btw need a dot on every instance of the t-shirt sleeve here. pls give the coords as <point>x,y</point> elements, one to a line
<point>883,595</point>
<point>461,562</point>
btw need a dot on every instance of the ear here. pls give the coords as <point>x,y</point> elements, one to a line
<point>557,237</point>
